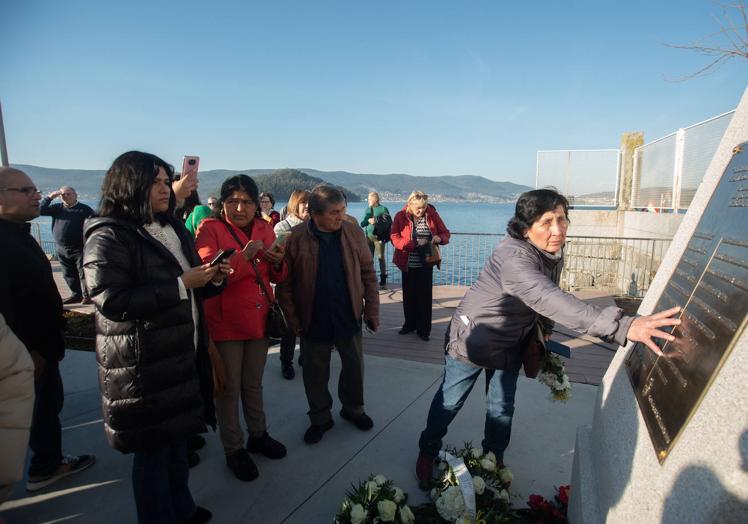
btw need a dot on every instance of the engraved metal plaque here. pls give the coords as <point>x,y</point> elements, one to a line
<point>710,284</point>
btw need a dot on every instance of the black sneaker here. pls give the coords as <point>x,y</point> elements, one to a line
<point>405,331</point>
<point>266,445</point>
<point>72,299</point>
<point>287,371</point>
<point>423,337</point>
<point>316,431</point>
<point>195,442</point>
<point>242,466</point>
<point>362,421</point>
<point>201,516</point>
<point>69,466</point>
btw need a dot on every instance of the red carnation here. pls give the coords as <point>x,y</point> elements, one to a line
<point>535,502</point>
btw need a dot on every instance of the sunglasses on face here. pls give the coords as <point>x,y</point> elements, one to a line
<point>27,190</point>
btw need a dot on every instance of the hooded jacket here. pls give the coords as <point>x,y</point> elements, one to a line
<point>156,386</point>
<point>517,285</point>
<point>402,236</point>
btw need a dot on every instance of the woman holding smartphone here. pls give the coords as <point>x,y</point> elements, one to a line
<point>237,319</point>
<point>298,212</point>
<point>414,230</point>
<point>148,285</point>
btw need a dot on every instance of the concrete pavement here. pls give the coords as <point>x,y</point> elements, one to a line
<point>308,485</point>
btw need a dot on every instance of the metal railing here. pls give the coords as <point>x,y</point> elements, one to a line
<point>48,246</point>
<point>623,266</point>
<point>668,171</point>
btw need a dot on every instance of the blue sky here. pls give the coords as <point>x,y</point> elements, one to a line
<point>425,88</point>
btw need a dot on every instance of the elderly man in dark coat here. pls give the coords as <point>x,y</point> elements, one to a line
<point>32,307</point>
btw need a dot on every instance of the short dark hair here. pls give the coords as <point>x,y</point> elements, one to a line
<point>268,195</point>
<point>531,206</point>
<point>126,190</point>
<point>238,183</point>
<point>324,195</point>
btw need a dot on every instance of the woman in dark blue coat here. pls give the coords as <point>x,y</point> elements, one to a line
<point>148,283</point>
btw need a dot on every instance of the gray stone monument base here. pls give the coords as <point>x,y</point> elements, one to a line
<point>704,478</point>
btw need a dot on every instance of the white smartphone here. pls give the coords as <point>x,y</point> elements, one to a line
<point>280,239</point>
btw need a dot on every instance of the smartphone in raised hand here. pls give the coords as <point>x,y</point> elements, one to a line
<point>190,165</point>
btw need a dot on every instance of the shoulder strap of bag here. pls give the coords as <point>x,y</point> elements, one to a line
<point>258,278</point>
<point>261,282</point>
<point>233,234</point>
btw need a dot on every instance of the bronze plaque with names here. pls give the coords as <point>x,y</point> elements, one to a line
<point>710,284</point>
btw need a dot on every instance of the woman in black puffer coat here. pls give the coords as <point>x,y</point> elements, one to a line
<point>148,283</point>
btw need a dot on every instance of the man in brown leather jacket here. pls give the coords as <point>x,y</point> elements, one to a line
<point>326,310</point>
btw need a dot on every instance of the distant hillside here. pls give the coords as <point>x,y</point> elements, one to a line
<point>391,187</point>
<point>440,188</point>
<point>283,182</point>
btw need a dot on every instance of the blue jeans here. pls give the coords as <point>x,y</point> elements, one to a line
<point>160,484</point>
<point>459,379</point>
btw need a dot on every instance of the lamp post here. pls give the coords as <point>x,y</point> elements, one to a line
<point>3,147</point>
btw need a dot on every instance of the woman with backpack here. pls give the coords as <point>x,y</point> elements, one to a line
<point>377,224</point>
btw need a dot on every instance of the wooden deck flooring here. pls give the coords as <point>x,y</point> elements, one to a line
<point>590,357</point>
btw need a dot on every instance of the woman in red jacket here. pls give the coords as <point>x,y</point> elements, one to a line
<point>414,230</point>
<point>237,319</point>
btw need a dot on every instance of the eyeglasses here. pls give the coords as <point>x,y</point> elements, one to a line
<point>28,190</point>
<point>265,202</point>
<point>234,202</point>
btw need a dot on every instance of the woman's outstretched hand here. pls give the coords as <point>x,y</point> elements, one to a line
<point>644,328</point>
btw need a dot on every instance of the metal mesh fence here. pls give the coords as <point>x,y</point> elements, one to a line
<point>654,166</point>
<point>700,142</point>
<point>588,177</point>
<point>668,171</point>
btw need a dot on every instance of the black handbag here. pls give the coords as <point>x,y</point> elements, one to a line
<point>276,325</point>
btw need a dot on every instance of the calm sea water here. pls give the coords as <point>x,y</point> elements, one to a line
<point>459,218</point>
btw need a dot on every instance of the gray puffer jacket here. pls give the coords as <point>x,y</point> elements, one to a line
<point>519,284</point>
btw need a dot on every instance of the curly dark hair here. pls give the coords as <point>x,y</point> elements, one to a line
<point>238,183</point>
<point>126,190</point>
<point>531,206</point>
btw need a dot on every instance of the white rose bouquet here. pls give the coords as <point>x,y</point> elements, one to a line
<point>488,479</point>
<point>375,500</point>
<point>553,375</point>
